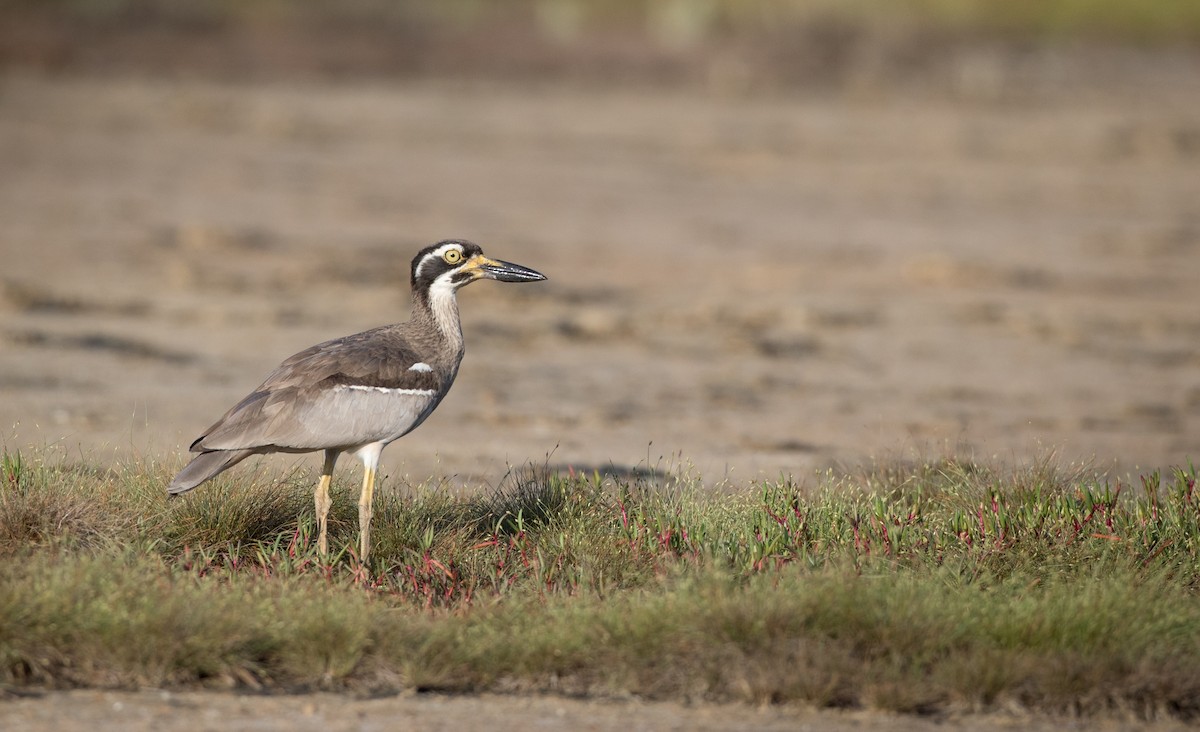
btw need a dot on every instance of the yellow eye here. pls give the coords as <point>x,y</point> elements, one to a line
<point>452,256</point>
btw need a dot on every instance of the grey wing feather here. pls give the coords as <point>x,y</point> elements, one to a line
<point>305,403</point>
<point>205,466</point>
<point>349,417</point>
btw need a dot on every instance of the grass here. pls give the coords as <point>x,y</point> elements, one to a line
<point>914,589</point>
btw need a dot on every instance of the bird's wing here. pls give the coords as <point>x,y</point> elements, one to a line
<point>341,393</point>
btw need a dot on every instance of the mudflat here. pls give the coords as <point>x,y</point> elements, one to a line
<point>739,286</point>
<point>166,711</point>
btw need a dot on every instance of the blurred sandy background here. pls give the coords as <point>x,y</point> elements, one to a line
<point>779,236</point>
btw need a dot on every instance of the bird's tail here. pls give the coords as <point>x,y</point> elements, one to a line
<point>204,466</point>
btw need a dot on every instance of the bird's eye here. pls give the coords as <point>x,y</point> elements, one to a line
<point>452,256</point>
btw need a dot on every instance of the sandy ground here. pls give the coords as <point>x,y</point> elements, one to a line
<point>742,287</point>
<point>161,711</point>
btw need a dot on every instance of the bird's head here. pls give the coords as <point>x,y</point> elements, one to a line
<point>450,264</point>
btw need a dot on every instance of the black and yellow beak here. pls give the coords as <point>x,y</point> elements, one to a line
<point>494,269</point>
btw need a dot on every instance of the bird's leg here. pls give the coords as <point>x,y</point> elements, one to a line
<point>322,501</point>
<point>364,513</point>
<point>370,458</point>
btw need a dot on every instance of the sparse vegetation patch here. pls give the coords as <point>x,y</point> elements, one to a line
<point>946,585</point>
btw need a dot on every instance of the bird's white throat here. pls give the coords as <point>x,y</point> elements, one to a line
<point>444,305</point>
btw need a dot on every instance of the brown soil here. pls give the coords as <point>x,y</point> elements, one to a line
<point>744,286</point>
<point>160,711</point>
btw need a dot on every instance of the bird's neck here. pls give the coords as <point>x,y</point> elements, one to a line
<point>439,306</point>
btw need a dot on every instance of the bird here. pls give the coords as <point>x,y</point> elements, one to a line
<point>358,393</point>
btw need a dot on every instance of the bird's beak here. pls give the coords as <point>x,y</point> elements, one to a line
<point>494,269</point>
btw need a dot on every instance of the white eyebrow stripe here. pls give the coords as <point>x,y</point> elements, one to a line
<point>441,251</point>
<point>386,390</point>
<point>420,366</point>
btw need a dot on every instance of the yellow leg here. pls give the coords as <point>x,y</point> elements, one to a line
<point>323,501</point>
<point>364,513</point>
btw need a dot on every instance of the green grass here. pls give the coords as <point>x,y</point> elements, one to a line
<point>913,589</point>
